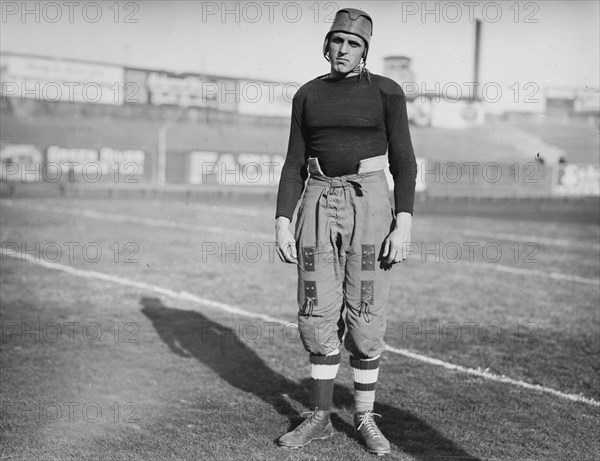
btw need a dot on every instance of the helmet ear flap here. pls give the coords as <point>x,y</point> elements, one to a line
<point>326,47</point>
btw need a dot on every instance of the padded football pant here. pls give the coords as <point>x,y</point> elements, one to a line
<point>343,287</point>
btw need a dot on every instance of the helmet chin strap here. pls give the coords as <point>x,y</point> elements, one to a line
<point>362,70</point>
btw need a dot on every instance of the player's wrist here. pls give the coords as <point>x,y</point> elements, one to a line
<point>282,223</point>
<point>403,219</point>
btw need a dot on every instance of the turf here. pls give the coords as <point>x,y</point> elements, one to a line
<point>171,379</point>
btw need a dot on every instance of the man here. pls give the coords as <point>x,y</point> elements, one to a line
<point>347,236</point>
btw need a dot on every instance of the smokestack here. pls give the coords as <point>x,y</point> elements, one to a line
<point>477,50</point>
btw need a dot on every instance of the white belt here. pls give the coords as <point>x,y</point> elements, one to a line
<point>366,165</point>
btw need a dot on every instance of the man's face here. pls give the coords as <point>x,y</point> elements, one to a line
<point>345,51</point>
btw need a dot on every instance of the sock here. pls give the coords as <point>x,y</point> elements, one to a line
<point>323,369</point>
<point>365,379</point>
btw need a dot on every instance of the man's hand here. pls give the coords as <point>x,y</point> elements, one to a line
<point>396,245</point>
<point>286,245</point>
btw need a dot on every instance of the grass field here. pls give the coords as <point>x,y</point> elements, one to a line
<point>121,339</point>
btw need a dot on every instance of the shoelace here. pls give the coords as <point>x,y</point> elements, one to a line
<point>307,421</point>
<point>367,421</point>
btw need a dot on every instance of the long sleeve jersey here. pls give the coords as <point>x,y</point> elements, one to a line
<point>342,121</point>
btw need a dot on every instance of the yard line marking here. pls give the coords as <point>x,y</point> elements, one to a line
<point>269,238</point>
<point>534,239</point>
<point>141,285</point>
<point>240,211</point>
<point>494,377</point>
<point>245,313</point>
<point>536,273</point>
<point>146,221</point>
<point>249,212</point>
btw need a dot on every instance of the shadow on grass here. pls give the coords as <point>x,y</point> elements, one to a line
<point>406,430</point>
<point>192,334</point>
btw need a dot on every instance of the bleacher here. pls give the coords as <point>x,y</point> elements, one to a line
<point>492,161</point>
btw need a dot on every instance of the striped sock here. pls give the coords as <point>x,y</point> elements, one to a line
<point>323,369</point>
<point>365,380</point>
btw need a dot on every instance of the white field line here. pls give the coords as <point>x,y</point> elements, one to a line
<point>234,210</point>
<point>134,284</point>
<point>534,273</point>
<point>239,211</point>
<point>146,221</point>
<point>534,239</point>
<point>494,377</point>
<point>248,212</point>
<point>244,313</point>
<point>269,238</point>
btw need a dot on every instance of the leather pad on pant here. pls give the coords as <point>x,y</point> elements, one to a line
<point>310,291</point>
<point>308,258</point>
<point>367,258</point>
<point>367,292</point>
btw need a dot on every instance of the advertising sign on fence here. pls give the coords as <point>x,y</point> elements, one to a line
<point>93,165</point>
<point>20,162</point>
<point>577,179</point>
<point>52,80</point>
<point>190,90</point>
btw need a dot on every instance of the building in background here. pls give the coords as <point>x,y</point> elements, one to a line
<point>571,102</point>
<point>434,105</point>
<point>104,121</point>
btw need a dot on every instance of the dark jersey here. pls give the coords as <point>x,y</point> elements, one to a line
<point>342,121</point>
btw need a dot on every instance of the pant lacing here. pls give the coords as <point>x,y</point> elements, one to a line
<point>363,309</point>
<point>356,185</point>
<point>309,306</point>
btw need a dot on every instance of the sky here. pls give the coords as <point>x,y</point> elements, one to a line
<point>526,46</point>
